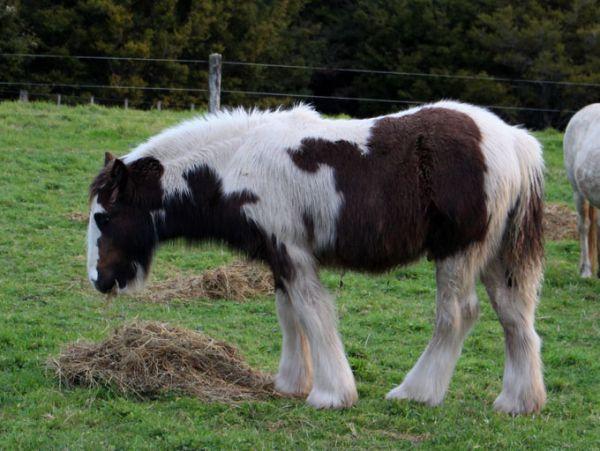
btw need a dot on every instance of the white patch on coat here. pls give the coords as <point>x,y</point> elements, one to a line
<point>93,234</point>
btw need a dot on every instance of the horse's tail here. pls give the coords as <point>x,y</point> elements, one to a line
<point>523,249</point>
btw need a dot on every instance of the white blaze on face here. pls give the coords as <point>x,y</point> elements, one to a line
<point>92,236</point>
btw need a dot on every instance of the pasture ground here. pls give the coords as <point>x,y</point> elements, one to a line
<point>48,156</point>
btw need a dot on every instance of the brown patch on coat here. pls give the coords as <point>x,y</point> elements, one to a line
<point>420,188</point>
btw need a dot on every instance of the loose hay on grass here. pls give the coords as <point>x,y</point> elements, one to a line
<point>560,222</point>
<point>149,358</point>
<point>238,281</point>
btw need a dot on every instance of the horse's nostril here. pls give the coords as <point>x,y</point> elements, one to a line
<point>104,286</point>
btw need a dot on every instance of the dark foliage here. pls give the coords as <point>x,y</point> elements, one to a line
<point>556,41</point>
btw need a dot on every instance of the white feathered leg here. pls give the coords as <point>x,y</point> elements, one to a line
<point>295,372</point>
<point>457,311</point>
<point>333,382</point>
<point>515,302</point>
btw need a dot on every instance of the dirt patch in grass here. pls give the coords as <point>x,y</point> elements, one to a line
<point>238,281</point>
<point>150,358</point>
<point>560,222</point>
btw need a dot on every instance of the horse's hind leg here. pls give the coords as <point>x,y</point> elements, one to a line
<point>457,311</point>
<point>294,376</point>
<point>514,297</point>
<point>583,227</point>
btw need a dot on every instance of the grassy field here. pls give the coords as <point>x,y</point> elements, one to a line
<point>48,156</point>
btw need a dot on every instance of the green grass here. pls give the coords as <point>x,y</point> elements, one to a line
<point>48,156</point>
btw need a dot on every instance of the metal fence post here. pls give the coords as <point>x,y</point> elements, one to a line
<point>23,96</point>
<point>126,103</point>
<point>58,99</point>
<point>159,105</point>
<point>214,82</point>
<point>91,100</point>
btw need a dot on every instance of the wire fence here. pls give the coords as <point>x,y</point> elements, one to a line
<point>310,68</point>
<point>57,88</point>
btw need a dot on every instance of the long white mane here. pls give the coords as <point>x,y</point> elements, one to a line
<point>212,139</point>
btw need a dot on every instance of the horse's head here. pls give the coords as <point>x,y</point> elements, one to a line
<point>121,230</point>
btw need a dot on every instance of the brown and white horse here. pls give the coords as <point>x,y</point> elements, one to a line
<point>297,191</point>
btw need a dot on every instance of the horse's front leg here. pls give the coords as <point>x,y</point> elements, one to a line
<point>583,226</point>
<point>295,369</point>
<point>333,383</point>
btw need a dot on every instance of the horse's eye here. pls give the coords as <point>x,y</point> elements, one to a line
<point>101,219</point>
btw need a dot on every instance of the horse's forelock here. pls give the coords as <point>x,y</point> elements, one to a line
<point>143,187</point>
<point>102,183</point>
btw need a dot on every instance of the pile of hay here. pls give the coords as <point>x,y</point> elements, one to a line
<point>150,358</point>
<point>238,281</point>
<point>560,222</point>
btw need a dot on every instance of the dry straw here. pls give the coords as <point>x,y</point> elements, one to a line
<point>150,358</point>
<point>238,281</point>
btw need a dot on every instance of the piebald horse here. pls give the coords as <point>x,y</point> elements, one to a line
<point>582,162</point>
<point>298,191</point>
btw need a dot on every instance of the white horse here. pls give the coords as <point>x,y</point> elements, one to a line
<point>582,162</point>
<point>296,190</point>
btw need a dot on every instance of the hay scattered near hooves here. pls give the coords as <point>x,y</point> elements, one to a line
<point>560,222</point>
<point>238,281</point>
<point>149,358</point>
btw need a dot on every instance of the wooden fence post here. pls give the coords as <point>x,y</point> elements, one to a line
<point>23,96</point>
<point>91,100</point>
<point>58,99</point>
<point>214,82</point>
<point>159,105</point>
<point>192,107</point>
<point>126,103</point>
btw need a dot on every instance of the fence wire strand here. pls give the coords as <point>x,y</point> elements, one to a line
<point>311,68</point>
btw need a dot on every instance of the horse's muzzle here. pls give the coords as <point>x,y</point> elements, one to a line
<point>105,285</point>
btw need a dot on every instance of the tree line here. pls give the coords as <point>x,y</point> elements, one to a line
<point>553,40</point>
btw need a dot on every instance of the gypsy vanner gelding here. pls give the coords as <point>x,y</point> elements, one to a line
<point>297,191</point>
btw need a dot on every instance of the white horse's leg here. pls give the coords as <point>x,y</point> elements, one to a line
<point>295,373</point>
<point>333,382</point>
<point>583,226</point>
<point>515,301</point>
<point>457,311</point>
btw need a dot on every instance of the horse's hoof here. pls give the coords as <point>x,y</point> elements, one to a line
<point>332,400</point>
<point>300,387</point>
<point>523,405</point>
<point>402,392</point>
<point>585,272</point>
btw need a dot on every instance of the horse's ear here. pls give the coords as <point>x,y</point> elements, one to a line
<point>118,173</point>
<point>108,157</point>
